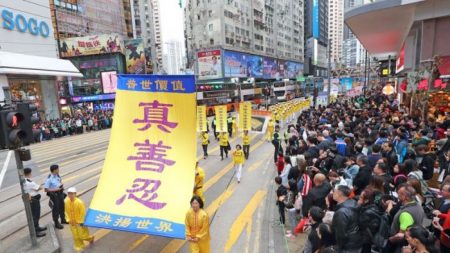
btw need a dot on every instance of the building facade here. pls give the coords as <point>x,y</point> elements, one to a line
<point>173,57</point>
<point>261,27</point>
<point>353,53</point>
<point>29,69</point>
<point>316,37</point>
<point>336,28</point>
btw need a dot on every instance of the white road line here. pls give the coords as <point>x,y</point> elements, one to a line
<point>5,167</point>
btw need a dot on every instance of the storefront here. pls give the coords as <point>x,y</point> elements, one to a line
<point>29,69</point>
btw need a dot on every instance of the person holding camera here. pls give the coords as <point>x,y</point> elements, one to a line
<point>55,191</point>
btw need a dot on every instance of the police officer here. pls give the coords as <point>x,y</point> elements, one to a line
<point>276,141</point>
<point>230,125</point>
<point>213,126</point>
<point>32,189</point>
<point>55,190</point>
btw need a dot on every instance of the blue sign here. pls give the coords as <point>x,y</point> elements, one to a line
<point>315,18</point>
<point>93,98</point>
<point>347,82</point>
<point>22,24</point>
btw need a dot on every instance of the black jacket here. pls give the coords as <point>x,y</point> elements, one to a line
<point>345,226</point>
<point>316,197</point>
<point>362,179</point>
<point>369,220</point>
<point>392,160</point>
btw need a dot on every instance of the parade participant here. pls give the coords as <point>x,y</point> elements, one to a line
<point>230,125</point>
<point>246,144</point>
<point>234,124</point>
<point>214,127</point>
<point>197,227</point>
<point>55,191</point>
<point>32,189</point>
<point>223,141</point>
<point>75,212</point>
<point>270,130</point>
<point>205,142</point>
<point>238,159</point>
<point>199,177</point>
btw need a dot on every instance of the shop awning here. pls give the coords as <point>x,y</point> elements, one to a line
<point>21,64</point>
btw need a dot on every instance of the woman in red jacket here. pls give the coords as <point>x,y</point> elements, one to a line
<point>444,228</point>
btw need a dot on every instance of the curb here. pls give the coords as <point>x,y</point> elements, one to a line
<point>54,238</point>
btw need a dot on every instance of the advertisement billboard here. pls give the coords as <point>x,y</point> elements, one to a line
<point>282,68</point>
<point>294,69</point>
<point>270,66</point>
<point>135,56</point>
<point>347,82</point>
<point>209,64</point>
<point>109,81</point>
<point>235,64</point>
<point>91,45</point>
<point>255,66</point>
<point>315,18</point>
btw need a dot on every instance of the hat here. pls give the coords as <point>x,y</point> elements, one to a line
<point>72,190</point>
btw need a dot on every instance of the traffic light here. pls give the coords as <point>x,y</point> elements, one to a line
<point>12,135</point>
<point>29,112</point>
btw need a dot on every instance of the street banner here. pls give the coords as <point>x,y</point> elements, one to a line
<point>201,119</point>
<point>135,56</point>
<point>152,151</point>
<point>245,116</point>
<point>221,118</point>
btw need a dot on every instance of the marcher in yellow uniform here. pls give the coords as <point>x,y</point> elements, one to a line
<point>270,129</point>
<point>223,141</point>
<point>199,177</point>
<point>246,144</point>
<point>205,142</point>
<point>197,227</point>
<point>75,211</point>
<point>234,125</point>
<point>238,159</point>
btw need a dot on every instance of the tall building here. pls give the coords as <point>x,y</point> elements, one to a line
<point>336,28</point>
<point>173,57</point>
<point>316,37</point>
<point>77,18</point>
<point>260,27</point>
<point>353,53</point>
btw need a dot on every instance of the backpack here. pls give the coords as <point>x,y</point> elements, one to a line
<point>380,238</point>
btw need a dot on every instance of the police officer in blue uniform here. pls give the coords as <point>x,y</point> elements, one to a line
<point>55,191</point>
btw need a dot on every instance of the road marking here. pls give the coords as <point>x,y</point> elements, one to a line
<point>96,156</point>
<point>81,174</point>
<point>5,168</point>
<point>244,219</point>
<point>175,245</point>
<point>255,166</point>
<point>249,234</point>
<point>216,147</point>
<point>137,243</point>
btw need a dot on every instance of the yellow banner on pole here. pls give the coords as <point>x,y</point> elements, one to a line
<point>152,151</point>
<point>201,119</point>
<point>245,116</point>
<point>221,118</point>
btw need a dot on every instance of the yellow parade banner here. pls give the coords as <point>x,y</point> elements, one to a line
<point>245,116</point>
<point>201,119</point>
<point>152,151</point>
<point>221,118</point>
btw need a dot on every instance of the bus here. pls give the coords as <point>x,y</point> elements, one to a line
<point>285,90</point>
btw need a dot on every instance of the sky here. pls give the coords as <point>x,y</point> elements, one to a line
<point>171,21</point>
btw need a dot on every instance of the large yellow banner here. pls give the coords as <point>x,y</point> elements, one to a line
<point>152,151</point>
<point>221,118</point>
<point>201,119</point>
<point>245,116</point>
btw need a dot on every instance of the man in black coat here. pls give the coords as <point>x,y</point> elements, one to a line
<point>317,194</point>
<point>362,179</point>
<point>345,223</point>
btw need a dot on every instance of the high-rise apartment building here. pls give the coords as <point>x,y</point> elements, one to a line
<point>353,53</point>
<point>336,28</point>
<point>173,57</point>
<point>316,37</point>
<point>147,25</point>
<point>271,28</point>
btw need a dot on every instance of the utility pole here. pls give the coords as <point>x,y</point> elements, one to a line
<point>329,71</point>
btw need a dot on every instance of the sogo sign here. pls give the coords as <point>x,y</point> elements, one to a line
<point>22,24</point>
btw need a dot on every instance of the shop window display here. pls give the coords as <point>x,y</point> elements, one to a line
<point>26,91</point>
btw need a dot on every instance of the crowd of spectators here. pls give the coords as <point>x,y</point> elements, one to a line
<point>365,175</point>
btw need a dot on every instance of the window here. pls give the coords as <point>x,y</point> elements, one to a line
<point>198,17</point>
<point>211,41</point>
<point>210,27</point>
<point>210,13</point>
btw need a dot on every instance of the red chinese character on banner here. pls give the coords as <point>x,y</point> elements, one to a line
<point>155,113</point>
<point>151,157</point>
<point>81,44</point>
<point>89,44</point>
<point>96,43</point>
<point>143,191</point>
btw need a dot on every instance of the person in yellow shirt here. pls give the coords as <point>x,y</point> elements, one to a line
<point>224,144</point>
<point>246,144</point>
<point>205,142</point>
<point>199,178</point>
<point>75,211</point>
<point>234,125</point>
<point>238,159</point>
<point>270,129</point>
<point>197,227</point>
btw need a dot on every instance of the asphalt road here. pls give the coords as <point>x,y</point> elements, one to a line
<point>243,216</point>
